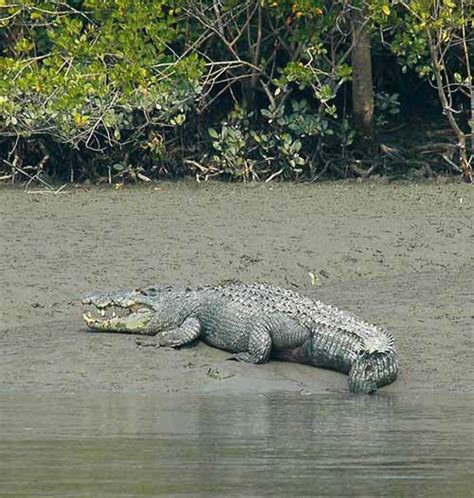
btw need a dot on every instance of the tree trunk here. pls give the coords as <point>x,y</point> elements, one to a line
<point>362,88</point>
<point>444,89</point>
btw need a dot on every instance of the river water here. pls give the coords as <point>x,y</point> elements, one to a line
<point>278,444</point>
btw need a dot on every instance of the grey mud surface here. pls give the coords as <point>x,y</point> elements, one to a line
<point>399,255</point>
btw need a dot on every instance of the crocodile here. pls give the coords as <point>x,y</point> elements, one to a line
<point>255,322</point>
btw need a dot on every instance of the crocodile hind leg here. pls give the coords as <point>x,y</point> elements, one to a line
<point>259,346</point>
<point>187,332</point>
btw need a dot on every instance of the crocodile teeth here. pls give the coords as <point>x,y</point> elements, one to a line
<point>102,312</point>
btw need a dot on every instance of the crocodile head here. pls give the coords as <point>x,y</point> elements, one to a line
<point>119,311</point>
<point>372,370</point>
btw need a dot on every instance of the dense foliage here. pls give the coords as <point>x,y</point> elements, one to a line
<point>252,90</point>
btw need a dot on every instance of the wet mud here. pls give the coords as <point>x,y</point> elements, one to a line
<point>398,255</point>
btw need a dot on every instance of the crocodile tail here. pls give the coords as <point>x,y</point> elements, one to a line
<point>373,370</point>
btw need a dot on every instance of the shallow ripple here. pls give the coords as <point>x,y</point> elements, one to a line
<point>279,445</point>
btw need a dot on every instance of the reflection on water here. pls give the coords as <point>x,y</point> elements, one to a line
<point>271,445</point>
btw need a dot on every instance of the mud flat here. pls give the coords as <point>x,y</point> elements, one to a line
<point>399,255</point>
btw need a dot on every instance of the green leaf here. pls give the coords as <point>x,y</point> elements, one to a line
<point>180,118</point>
<point>213,133</point>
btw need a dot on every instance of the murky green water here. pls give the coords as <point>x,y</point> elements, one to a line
<point>121,445</point>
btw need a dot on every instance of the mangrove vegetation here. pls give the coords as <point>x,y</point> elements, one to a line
<point>131,90</point>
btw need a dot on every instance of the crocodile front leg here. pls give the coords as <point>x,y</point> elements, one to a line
<point>187,332</point>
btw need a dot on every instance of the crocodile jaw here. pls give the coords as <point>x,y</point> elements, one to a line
<point>117,313</point>
<point>133,323</point>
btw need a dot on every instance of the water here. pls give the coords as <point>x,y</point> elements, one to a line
<point>118,445</point>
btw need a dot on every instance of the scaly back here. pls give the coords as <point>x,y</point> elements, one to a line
<point>308,312</point>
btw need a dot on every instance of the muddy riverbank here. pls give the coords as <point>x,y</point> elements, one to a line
<point>400,255</point>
